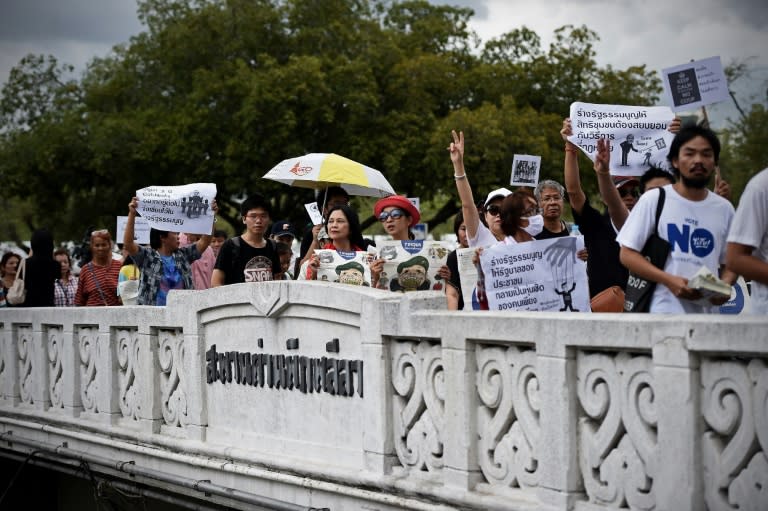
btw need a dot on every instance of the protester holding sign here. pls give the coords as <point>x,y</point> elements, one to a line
<point>453,289</point>
<point>693,220</point>
<point>250,257</point>
<point>343,227</point>
<point>397,214</point>
<point>165,266</point>
<point>748,240</point>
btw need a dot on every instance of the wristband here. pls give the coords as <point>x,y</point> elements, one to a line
<point>570,149</point>
<point>459,177</point>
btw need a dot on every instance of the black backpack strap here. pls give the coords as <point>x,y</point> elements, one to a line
<point>659,207</point>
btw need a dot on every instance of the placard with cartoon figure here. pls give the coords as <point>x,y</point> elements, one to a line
<point>412,265</point>
<point>344,267</point>
<point>542,275</point>
<point>185,208</point>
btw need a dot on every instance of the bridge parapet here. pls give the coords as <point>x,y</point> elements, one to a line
<point>349,398</point>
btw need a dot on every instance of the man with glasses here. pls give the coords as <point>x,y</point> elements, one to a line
<point>250,257</point>
<point>550,195</point>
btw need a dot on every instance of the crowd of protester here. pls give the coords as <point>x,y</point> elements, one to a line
<point>736,240</point>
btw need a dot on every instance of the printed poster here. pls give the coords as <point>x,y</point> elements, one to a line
<point>344,267</point>
<point>140,230</point>
<point>468,277</point>
<point>542,275</point>
<point>185,208</point>
<point>638,135</point>
<point>525,170</point>
<point>695,84</point>
<point>412,265</point>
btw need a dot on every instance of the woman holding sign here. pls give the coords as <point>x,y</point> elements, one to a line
<point>343,228</point>
<point>397,214</point>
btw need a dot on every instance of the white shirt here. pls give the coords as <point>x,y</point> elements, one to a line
<point>696,231</point>
<point>750,228</point>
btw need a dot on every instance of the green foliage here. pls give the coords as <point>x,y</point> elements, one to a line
<point>222,90</point>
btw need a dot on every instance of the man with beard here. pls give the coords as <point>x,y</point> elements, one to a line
<point>694,221</point>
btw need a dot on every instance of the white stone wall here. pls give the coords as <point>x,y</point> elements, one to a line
<point>423,408</point>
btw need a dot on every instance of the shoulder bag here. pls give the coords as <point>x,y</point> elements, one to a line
<point>17,293</point>
<point>637,297</point>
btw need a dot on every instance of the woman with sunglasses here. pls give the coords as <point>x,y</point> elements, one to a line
<point>397,214</point>
<point>345,233</point>
<point>478,234</point>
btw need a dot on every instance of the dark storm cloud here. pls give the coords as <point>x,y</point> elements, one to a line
<point>752,12</point>
<point>89,21</point>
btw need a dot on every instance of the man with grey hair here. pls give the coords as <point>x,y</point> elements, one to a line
<point>550,196</point>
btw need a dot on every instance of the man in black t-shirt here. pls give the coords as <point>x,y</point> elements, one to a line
<point>250,257</point>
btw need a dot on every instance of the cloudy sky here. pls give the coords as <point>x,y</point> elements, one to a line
<point>658,33</point>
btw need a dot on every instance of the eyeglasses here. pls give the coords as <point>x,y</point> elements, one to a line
<point>550,198</point>
<point>634,192</point>
<point>101,232</point>
<point>394,214</point>
<point>254,216</point>
<point>493,209</point>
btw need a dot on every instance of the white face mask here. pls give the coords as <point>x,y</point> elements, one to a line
<point>535,225</point>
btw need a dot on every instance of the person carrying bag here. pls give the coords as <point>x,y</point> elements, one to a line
<point>17,293</point>
<point>637,297</point>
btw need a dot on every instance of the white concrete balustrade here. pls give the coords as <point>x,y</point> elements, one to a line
<point>344,398</point>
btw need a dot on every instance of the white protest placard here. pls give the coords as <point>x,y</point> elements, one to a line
<point>542,275</point>
<point>420,231</point>
<point>638,135</point>
<point>416,201</point>
<point>344,267</point>
<point>695,84</point>
<point>140,230</point>
<point>185,208</point>
<point>314,213</point>
<point>525,170</point>
<point>412,265</point>
<point>468,277</point>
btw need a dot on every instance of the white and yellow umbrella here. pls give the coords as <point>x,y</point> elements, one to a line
<point>321,170</point>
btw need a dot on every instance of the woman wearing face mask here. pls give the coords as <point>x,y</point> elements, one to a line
<point>478,234</point>
<point>397,215</point>
<point>98,279</point>
<point>343,228</point>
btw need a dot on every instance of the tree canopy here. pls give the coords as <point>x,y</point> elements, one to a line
<point>222,90</point>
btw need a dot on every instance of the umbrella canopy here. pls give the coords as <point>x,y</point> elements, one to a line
<point>321,170</point>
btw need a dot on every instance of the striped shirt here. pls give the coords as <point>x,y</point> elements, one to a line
<point>88,289</point>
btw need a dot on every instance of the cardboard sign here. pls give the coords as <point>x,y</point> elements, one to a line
<point>525,170</point>
<point>185,208</point>
<point>314,213</point>
<point>542,275</point>
<point>638,136</point>
<point>140,230</point>
<point>695,84</point>
<point>412,265</point>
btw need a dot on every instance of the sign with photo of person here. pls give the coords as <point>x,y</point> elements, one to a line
<point>185,208</point>
<point>525,170</point>
<point>412,265</point>
<point>344,267</point>
<point>695,84</point>
<point>638,135</point>
<point>542,275</point>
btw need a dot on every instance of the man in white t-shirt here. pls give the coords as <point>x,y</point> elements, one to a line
<point>747,252</point>
<point>694,221</point>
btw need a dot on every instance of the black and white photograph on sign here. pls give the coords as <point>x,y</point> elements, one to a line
<point>695,84</point>
<point>684,87</point>
<point>525,170</point>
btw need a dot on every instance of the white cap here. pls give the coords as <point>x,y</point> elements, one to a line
<point>499,192</point>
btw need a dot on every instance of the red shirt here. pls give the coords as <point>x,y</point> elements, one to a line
<point>88,290</point>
